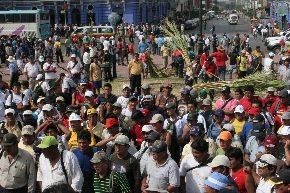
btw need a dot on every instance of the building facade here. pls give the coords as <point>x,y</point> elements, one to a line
<point>280,13</point>
<point>87,12</point>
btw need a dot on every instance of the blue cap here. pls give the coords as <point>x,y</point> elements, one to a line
<point>217,181</point>
<point>195,131</point>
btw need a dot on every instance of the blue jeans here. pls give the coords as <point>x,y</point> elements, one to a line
<point>222,72</point>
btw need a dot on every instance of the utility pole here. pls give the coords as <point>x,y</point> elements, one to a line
<point>200,17</point>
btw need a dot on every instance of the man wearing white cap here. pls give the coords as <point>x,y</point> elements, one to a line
<point>68,85</point>
<point>11,124</point>
<point>40,83</point>
<point>269,64</point>
<point>124,99</point>
<point>89,102</point>
<point>50,70</point>
<point>75,68</point>
<point>27,140</point>
<point>75,122</point>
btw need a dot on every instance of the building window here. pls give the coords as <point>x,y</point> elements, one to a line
<point>28,18</point>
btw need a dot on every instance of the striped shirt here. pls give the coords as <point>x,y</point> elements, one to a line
<point>120,184</point>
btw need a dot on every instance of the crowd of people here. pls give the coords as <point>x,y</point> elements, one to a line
<point>63,130</point>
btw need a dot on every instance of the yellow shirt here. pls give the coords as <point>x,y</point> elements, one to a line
<point>135,67</point>
<point>28,148</point>
<point>243,63</point>
<point>57,44</point>
<point>73,141</point>
<point>165,51</point>
<point>97,131</point>
<point>14,130</point>
<point>238,125</point>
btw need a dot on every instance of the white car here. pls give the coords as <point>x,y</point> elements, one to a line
<point>273,43</point>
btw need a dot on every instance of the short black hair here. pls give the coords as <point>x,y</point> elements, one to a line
<point>84,135</point>
<point>25,83</point>
<point>58,188</point>
<point>200,145</point>
<point>235,153</point>
<point>249,88</point>
<point>107,85</point>
<point>240,91</point>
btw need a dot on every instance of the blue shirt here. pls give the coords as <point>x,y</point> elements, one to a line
<point>213,131</point>
<point>142,47</point>
<point>160,41</point>
<point>13,68</point>
<point>248,126</point>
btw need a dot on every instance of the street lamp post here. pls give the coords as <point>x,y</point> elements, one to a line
<point>200,17</point>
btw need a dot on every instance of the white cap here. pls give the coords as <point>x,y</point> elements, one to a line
<point>229,127</point>
<point>122,140</point>
<point>75,117</point>
<point>39,77</point>
<point>40,99</point>
<point>89,93</point>
<point>41,58</point>
<point>27,130</point>
<point>27,112</point>
<point>73,56</point>
<point>156,118</point>
<point>126,86</point>
<point>265,160</point>
<point>59,98</point>
<point>147,128</point>
<point>239,109</point>
<point>219,160</point>
<point>285,130</point>
<point>47,107</point>
<point>7,111</point>
<point>271,54</point>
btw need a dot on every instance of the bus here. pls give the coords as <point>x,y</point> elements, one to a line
<point>25,23</point>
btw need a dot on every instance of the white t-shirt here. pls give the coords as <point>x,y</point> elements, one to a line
<point>265,187</point>
<point>106,45</point>
<point>195,177</point>
<point>123,101</point>
<point>67,84</point>
<point>267,65</point>
<point>127,112</point>
<point>32,70</point>
<point>178,125</point>
<point>74,68</point>
<point>16,99</point>
<point>44,85</point>
<point>49,75</point>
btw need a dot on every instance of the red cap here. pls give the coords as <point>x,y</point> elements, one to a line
<point>270,141</point>
<point>254,111</point>
<point>110,122</point>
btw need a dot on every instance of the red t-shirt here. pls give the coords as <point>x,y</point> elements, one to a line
<point>270,98</point>
<point>220,58</point>
<point>136,131</point>
<point>247,103</point>
<point>202,59</point>
<point>80,98</point>
<point>240,178</point>
<point>210,67</point>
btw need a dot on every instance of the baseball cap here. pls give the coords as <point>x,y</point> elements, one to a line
<point>122,140</point>
<point>39,77</point>
<point>220,160</point>
<point>73,56</point>
<point>133,98</point>
<point>271,89</point>
<point>27,130</point>
<point>91,111</point>
<point>110,122</point>
<point>219,113</point>
<point>283,176</point>
<point>146,86</point>
<point>254,111</point>
<point>47,107</point>
<point>3,131</point>
<point>158,146</point>
<point>10,110</point>
<point>239,109</point>
<point>126,86</point>
<point>156,118</point>
<point>192,117</point>
<point>9,139</point>
<point>283,58</point>
<point>147,128</point>
<point>89,93</point>
<point>286,115</point>
<point>70,108</point>
<point>206,102</point>
<point>266,159</point>
<point>195,131</point>
<point>283,93</point>
<point>217,181</point>
<point>59,98</point>
<point>228,127</point>
<point>285,130</point>
<point>47,142</point>
<point>170,106</point>
<point>225,135</point>
<point>117,105</point>
<point>27,112</point>
<point>153,136</point>
<point>99,156</point>
<point>226,89</point>
<point>148,98</point>
<point>40,99</point>
<point>74,117</point>
<point>270,141</point>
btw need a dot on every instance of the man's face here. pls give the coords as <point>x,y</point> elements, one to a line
<point>126,92</point>
<point>240,116</point>
<point>249,94</point>
<point>51,132</point>
<point>271,93</point>
<point>83,145</point>
<point>121,149</point>
<point>225,144</point>
<point>170,111</point>
<point>207,107</point>
<point>47,151</point>
<point>47,114</point>
<point>264,172</point>
<point>101,167</point>
<point>10,117</point>
<point>198,156</point>
<point>238,95</point>
<point>157,156</point>
<point>10,149</point>
<point>73,59</point>
<point>76,125</point>
<point>191,108</point>
<point>16,89</point>
<point>28,139</point>
<point>282,188</point>
<point>117,110</point>
<point>107,90</point>
<point>234,162</point>
<point>83,87</point>
<point>92,118</point>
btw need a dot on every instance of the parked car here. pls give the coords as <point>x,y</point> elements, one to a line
<point>273,43</point>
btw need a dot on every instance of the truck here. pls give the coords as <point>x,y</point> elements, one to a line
<point>233,19</point>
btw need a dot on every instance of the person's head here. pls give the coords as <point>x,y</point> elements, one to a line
<point>133,102</point>
<point>117,109</point>
<point>146,130</point>
<point>146,87</point>
<point>258,48</point>
<point>207,104</point>
<point>192,119</point>
<point>259,131</point>
<point>101,163</point>
<point>266,165</point>
<point>220,164</point>
<point>239,113</point>
<point>216,182</point>
<point>107,88</point>
<point>10,144</point>
<point>147,101</point>
<point>196,132</point>
<point>83,86</point>
<point>191,106</point>
<point>112,125</point>
<point>16,88</point>
<point>136,55</point>
<point>225,138</point>
<point>249,91</point>
<point>51,130</point>
<point>73,58</point>
<point>271,55</point>
<point>226,92</point>
<point>184,93</point>
<point>199,150</point>
<point>58,188</point>
<point>28,135</point>
<point>75,122</point>
<point>25,84</point>
<point>89,96</point>
<point>122,146</point>
<point>287,62</point>
<point>235,156</point>
<point>159,150</point>
<point>126,90</point>
<point>138,117</point>
<point>84,140</point>
<point>10,115</point>
<point>284,134</point>
<point>219,115</point>
<point>49,146</point>
<point>92,116</point>
<point>170,109</point>
<point>271,91</point>
<point>286,118</point>
<point>152,137</point>
<point>270,144</point>
<point>239,93</point>
<point>157,122</point>
<point>47,111</point>
<point>283,95</point>
<point>281,181</point>
<point>167,88</point>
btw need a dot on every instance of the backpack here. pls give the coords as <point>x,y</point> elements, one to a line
<point>12,104</point>
<point>174,147</point>
<point>37,92</point>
